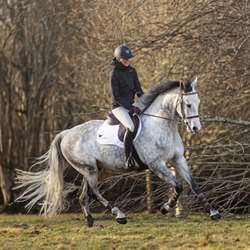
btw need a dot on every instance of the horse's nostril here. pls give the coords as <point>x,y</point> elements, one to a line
<point>195,129</point>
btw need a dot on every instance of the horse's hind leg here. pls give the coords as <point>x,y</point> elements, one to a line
<point>83,200</point>
<point>90,174</point>
<point>93,192</point>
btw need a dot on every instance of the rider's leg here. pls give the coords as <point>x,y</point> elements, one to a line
<point>128,144</point>
<point>123,116</point>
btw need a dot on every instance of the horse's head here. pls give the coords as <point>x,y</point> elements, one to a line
<point>188,106</point>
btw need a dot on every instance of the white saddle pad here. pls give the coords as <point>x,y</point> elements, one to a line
<point>108,134</point>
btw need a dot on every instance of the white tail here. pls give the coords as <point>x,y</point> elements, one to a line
<point>47,186</point>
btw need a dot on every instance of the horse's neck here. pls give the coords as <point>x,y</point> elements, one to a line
<point>165,106</point>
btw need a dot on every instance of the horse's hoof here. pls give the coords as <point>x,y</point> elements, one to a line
<point>90,220</point>
<point>165,208</point>
<point>122,220</point>
<point>216,217</point>
<point>164,211</point>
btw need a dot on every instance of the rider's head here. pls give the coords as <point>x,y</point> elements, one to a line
<point>123,51</point>
<point>123,55</point>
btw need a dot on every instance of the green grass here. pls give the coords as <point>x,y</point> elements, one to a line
<point>143,231</point>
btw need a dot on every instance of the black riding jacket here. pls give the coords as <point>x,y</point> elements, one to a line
<point>124,84</point>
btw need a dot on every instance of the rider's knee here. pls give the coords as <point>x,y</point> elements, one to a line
<point>131,128</point>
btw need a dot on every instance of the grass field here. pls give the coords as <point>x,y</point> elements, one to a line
<point>143,231</point>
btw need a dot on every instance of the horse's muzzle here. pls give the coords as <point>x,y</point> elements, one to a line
<point>193,128</point>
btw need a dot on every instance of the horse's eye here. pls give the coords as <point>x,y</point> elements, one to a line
<point>189,105</point>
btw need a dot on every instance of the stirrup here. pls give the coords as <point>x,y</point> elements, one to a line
<point>130,163</point>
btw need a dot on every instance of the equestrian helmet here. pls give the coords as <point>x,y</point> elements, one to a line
<point>123,52</point>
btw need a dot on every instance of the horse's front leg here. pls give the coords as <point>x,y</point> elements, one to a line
<point>181,166</point>
<point>172,202</point>
<point>159,168</point>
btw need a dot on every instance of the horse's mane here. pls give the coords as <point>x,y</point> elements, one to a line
<point>166,85</point>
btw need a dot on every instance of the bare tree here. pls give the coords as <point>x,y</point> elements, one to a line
<point>54,62</point>
<point>30,39</point>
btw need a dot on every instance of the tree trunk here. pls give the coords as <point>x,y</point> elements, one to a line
<point>5,182</point>
<point>5,187</point>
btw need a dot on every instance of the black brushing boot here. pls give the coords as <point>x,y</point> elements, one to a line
<point>128,144</point>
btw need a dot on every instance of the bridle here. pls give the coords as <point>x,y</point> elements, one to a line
<point>182,113</point>
<point>180,102</point>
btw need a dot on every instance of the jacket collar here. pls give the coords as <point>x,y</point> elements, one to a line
<point>115,64</point>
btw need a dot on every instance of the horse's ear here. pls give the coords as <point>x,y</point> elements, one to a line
<point>182,85</point>
<point>194,83</point>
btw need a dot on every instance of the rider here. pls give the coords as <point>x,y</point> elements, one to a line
<point>124,84</point>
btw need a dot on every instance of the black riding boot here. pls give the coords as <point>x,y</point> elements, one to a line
<point>128,144</point>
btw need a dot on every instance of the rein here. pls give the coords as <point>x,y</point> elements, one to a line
<point>157,116</point>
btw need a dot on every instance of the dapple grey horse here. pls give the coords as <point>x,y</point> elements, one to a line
<point>157,144</point>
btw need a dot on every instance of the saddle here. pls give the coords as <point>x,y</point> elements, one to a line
<point>112,120</point>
